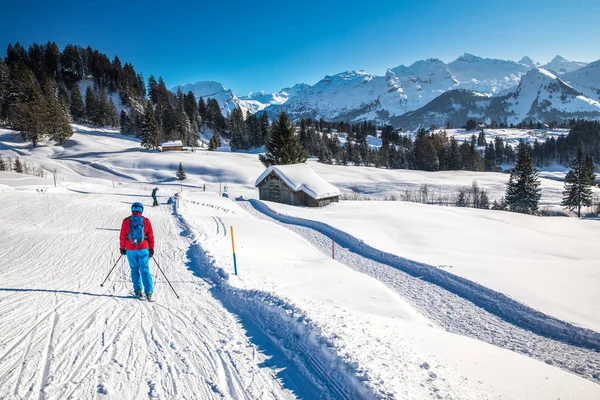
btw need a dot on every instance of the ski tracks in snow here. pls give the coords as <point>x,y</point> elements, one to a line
<point>452,312</point>
<point>62,336</point>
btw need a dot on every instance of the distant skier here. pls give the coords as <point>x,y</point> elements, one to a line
<point>137,242</point>
<point>204,187</point>
<point>154,197</point>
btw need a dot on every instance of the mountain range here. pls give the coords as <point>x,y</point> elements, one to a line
<point>434,92</point>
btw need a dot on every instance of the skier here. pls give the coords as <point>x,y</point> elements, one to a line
<point>204,187</point>
<point>154,197</point>
<point>137,242</point>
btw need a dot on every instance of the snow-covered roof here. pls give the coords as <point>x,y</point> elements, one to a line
<point>300,177</point>
<point>174,143</point>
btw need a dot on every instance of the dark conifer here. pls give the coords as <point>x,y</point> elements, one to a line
<point>180,174</point>
<point>523,191</point>
<point>578,183</point>
<point>18,166</point>
<point>283,146</point>
<point>149,134</point>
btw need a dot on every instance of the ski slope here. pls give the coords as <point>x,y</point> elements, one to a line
<point>293,324</point>
<point>63,336</point>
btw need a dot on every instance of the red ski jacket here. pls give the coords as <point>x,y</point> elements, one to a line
<point>148,241</point>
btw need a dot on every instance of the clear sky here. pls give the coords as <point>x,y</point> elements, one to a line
<point>268,45</point>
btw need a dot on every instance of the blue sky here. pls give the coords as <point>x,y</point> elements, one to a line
<point>251,46</point>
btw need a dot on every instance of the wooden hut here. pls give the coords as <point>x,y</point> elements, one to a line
<point>176,145</point>
<point>297,185</point>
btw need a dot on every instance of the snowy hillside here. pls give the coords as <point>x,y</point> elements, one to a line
<point>586,80</point>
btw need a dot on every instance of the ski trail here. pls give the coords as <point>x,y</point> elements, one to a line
<point>65,337</point>
<point>48,357</point>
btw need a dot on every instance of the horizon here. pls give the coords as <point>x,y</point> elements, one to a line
<point>270,46</point>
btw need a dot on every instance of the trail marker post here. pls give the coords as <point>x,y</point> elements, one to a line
<point>332,245</point>
<point>233,249</point>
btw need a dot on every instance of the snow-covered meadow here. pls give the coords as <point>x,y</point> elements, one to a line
<point>294,322</point>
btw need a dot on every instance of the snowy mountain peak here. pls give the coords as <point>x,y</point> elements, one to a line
<point>561,65</point>
<point>529,62</point>
<point>202,88</point>
<point>467,57</point>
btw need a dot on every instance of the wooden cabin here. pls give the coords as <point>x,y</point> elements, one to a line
<point>296,185</point>
<point>176,145</point>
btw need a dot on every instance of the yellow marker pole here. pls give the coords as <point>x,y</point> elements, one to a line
<point>233,249</point>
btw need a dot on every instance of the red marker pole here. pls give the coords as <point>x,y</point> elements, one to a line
<point>332,246</point>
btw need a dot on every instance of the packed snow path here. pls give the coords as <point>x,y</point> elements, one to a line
<point>455,312</point>
<point>63,336</point>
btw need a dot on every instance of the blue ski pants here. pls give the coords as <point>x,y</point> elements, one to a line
<point>140,270</point>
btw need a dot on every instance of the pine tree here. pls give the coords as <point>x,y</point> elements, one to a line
<point>77,107</point>
<point>578,183</point>
<point>283,146</point>
<point>214,143</point>
<point>2,164</point>
<point>18,166</point>
<point>454,161</point>
<point>523,188</point>
<point>180,174</point>
<point>149,134</point>
<point>202,110</point>
<point>58,123</point>
<point>481,138</point>
<point>125,123</point>
<point>92,105</point>
<point>237,127</point>
<point>264,127</point>
<point>153,89</point>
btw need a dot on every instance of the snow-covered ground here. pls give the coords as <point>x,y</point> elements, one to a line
<point>294,322</point>
<point>550,264</point>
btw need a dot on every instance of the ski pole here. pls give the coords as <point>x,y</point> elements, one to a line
<point>111,270</point>
<point>162,272</point>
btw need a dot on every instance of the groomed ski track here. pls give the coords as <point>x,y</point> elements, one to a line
<point>455,303</point>
<point>63,336</point>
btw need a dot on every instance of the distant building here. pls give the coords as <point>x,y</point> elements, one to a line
<point>175,145</point>
<point>297,185</point>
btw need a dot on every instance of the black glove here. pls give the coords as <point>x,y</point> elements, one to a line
<point>151,252</point>
<point>123,251</point>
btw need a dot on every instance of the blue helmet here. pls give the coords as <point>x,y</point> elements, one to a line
<point>139,207</point>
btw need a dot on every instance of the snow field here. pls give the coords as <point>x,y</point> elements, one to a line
<point>549,264</point>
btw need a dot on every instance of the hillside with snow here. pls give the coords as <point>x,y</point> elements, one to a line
<point>416,301</point>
